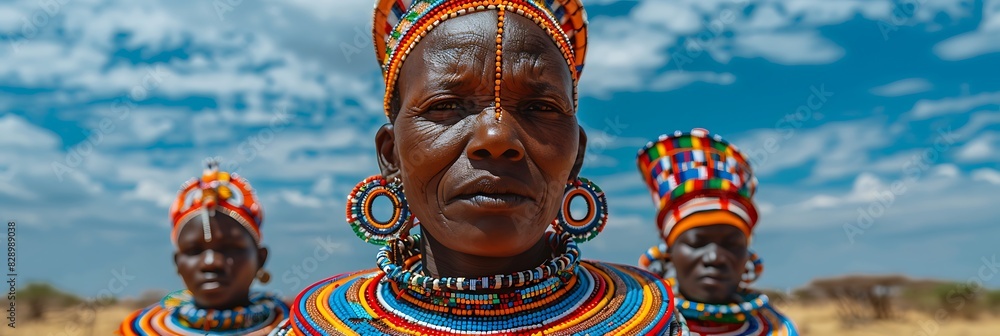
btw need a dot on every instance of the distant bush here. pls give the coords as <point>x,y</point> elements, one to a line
<point>41,297</point>
<point>992,301</point>
<point>775,296</point>
<point>960,300</point>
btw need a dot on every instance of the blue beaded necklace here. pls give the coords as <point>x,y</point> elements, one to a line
<point>391,257</point>
<point>261,307</point>
<point>723,313</point>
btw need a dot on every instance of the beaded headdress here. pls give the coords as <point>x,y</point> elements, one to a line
<point>399,24</point>
<point>217,191</point>
<point>690,175</point>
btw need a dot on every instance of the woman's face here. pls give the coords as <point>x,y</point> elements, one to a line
<point>710,261</point>
<point>478,185</point>
<point>218,272</point>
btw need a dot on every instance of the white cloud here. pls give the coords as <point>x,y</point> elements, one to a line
<point>796,48</point>
<point>153,191</point>
<point>984,40</point>
<point>838,149</point>
<point>968,45</point>
<point>673,80</point>
<point>673,17</point>
<point>902,87</point>
<point>981,148</point>
<point>977,122</point>
<point>986,175</point>
<point>298,199</point>
<point>866,188</point>
<point>622,54</point>
<point>928,108</point>
<point>19,133</point>
<point>872,203</point>
<point>323,186</point>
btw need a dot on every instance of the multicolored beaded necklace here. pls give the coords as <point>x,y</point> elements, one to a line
<point>177,314</point>
<point>752,316</point>
<point>562,296</point>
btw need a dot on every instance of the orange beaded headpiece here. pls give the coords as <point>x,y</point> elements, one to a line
<point>217,191</point>
<point>400,24</point>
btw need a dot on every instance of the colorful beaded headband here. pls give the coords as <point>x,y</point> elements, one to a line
<point>217,191</point>
<point>691,173</point>
<point>400,24</point>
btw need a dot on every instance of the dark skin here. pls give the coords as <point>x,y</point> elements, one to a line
<point>702,278</point>
<point>484,190</point>
<point>218,272</point>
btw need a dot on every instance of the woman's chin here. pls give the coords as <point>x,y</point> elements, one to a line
<point>491,243</point>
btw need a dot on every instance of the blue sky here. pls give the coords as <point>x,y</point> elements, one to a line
<point>874,127</point>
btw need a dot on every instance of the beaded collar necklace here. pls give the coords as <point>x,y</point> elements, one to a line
<point>401,261</point>
<point>721,313</point>
<point>261,307</point>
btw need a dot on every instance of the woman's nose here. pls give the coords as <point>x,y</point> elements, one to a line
<point>495,139</point>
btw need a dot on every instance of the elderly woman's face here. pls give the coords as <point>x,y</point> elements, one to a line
<point>710,261</point>
<point>478,185</point>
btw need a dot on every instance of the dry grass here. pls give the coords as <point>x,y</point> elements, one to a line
<point>818,320</point>
<point>66,323</point>
<point>822,320</point>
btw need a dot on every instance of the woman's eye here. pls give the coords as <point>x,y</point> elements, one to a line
<point>444,106</point>
<point>697,243</point>
<point>541,107</point>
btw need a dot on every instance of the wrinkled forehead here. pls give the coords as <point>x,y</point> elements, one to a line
<point>468,43</point>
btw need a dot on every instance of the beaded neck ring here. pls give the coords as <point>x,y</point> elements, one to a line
<point>177,314</point>
<point>397,260</point>
<point>259,311</point>
<point>400,24</point>
<point>721,313</point>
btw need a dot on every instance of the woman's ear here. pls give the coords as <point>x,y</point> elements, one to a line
<point>580,152</point>
<point>385,146</point>
<point>261,257</point>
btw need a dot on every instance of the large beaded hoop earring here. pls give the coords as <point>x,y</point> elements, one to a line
<point>590,225</point>
<point>363,221</point>
<point>754,268</point>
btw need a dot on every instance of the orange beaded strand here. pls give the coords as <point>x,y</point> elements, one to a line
<point>497,110</point>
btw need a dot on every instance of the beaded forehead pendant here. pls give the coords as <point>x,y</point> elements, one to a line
<point>400,24</point>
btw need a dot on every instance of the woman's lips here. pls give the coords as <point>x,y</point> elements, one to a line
<point>211,281</point>
<point>210,285</point>
<point>493,201</point>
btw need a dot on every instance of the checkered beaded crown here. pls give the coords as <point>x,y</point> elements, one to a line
<point>694,172</point>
